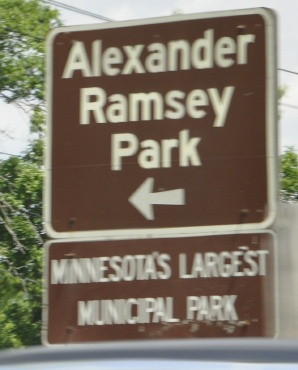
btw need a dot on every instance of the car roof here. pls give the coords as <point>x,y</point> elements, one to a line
<point>213,350</point>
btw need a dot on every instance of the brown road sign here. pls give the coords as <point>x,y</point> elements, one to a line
<point>208,286</point>
<point>162,126</point>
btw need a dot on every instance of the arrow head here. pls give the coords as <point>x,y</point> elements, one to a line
<point>140,198</point>
<point>143,198</point>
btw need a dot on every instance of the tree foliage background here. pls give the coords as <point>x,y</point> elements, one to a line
<point>24,25</point>
<point>21,248</point>
<point>289,175</point>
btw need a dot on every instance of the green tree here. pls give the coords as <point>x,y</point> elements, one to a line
<point>23,29</point>
<point>289,175</point>
<point>21,248</point>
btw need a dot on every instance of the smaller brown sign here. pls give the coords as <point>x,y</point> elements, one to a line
<point>206,286</point>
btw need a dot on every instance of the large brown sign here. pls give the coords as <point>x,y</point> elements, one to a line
<point>209,286</point>
<point>162,126</point>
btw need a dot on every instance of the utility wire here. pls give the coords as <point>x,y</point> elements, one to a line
<point>284,104</point>
<point>288,105</point>
<point>288,71</point>
<point>10,154</point>
<point>76,10</point>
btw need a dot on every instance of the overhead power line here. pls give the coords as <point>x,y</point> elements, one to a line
<point>76,10</point>
<point>289,105</point>
<point>10,154</point>
<point>288,71</point>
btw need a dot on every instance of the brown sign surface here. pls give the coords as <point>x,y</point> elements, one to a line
<point>162,126</point>
<point>208,286</point>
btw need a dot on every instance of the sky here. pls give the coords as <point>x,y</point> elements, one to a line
<point>16,122</point>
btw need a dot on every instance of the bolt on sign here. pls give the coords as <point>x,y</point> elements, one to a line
<point>152,288</point>
<point>162,126</point>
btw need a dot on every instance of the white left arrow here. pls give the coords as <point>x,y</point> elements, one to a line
<point>143,198</point>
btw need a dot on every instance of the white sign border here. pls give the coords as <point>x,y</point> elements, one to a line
<point>271,133</point>
<point>48,244</point>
